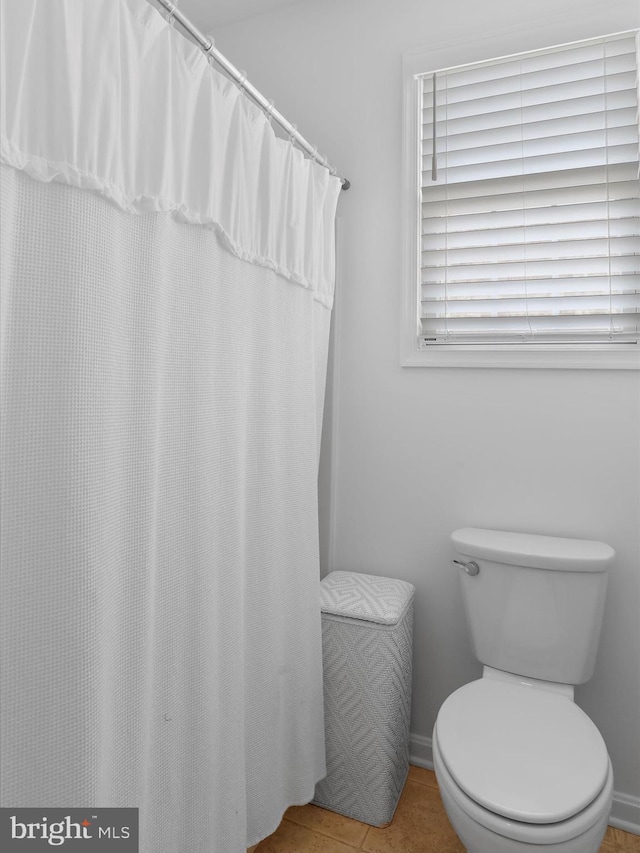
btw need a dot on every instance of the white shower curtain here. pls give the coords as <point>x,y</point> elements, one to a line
<point>167,278</point>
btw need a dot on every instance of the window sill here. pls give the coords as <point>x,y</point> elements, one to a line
<point>559,357</point>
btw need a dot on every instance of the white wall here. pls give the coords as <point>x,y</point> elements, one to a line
<point>412,453</point>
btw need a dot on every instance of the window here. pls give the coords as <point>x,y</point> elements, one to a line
<point>529,220</point>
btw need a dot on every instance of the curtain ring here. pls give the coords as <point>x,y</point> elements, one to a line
<point>169,17</point>
<point>210,57</point>
<point>294,130</point>
<point>269,111</point>
<point>314,154</point>
<point>242,81</point>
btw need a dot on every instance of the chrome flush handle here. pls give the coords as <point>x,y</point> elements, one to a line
<point>471,568</point>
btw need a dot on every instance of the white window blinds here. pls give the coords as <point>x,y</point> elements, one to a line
<point>531,198</point>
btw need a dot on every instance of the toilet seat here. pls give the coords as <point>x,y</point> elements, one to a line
<point>521,752</point>
<point>492,833</point>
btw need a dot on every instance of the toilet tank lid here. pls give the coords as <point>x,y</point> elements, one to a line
<point>532,550</point>
<point>354,595</point>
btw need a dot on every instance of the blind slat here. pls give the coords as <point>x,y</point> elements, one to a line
<point>578,266</point>
<point>598,141</point>
<point>589,106</point>
<point>440,252</point>
<point>620,211</point>
<point>614,180</point>
<point>532,164</point>
<point>513,235</point>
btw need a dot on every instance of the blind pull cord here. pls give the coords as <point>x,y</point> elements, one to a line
<point>434,155</point>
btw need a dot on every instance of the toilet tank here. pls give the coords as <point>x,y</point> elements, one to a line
<point>535,607</point>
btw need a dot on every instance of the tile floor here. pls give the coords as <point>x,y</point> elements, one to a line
<point>420,825</point>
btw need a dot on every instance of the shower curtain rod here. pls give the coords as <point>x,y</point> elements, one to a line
<point>208,47</point>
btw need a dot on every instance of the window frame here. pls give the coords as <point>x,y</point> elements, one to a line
<point>413,353</point>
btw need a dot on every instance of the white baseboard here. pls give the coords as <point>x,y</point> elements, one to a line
<point>625,812</point>
<point>420,751</point>
<point>625,809</point>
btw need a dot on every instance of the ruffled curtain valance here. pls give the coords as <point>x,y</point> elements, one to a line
<point>177,137</point>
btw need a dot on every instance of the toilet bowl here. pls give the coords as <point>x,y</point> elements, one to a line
<point>521,768</point>
<point>483,832</point>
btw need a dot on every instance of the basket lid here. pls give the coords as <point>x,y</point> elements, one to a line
<point>367,597</point>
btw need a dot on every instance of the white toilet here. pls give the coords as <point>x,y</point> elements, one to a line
<point>520,766</point>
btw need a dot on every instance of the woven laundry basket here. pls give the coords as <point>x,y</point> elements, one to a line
<point>367,625</point>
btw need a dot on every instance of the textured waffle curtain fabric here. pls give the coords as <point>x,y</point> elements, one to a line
<point>167,273</point>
